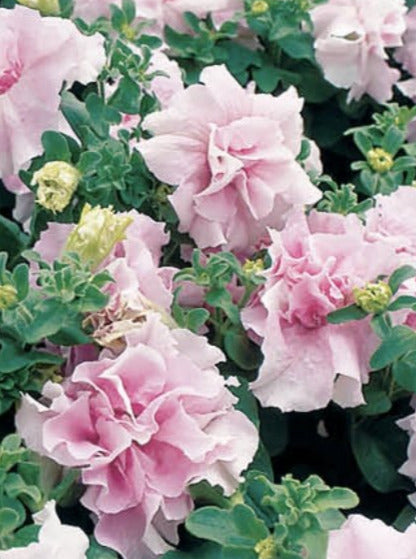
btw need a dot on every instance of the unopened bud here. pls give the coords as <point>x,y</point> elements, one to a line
<point>266,549</point>
<point>374,297</point>
<point>380,160</point>
<point>57,181</point>
<point>259,7</point>
<point>45,7</point>
<point>8,296</point>
<point>98,231</point>
<point>253,267</point>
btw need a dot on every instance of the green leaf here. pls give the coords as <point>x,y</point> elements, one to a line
<point>207,550</point>
<point>97,551</point>
<point>298,45</point>
<point>49,319</point>
<point>13,357</point>
<point>402,302</point>
<point>377,402</point>
<point>336,498</point>
<point>393,140</point>
<point>241,350</point>
<point>363,141</point>
<point>405,518</point>
<point>346,314</point>
<point>399,341</point>
<point>404,371</point>
<point>399,276</point>
<point>379,447</point>
<point>196,318</point>
<point>236,527</point>
<point>56,147</point>
<point>12,239</point>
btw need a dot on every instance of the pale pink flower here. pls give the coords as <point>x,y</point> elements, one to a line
<point>409,467</point>
<point>232,154</point>
<point>316,262</point>
<point>90,10</point>
<point>351,38</point>
<point>406,55</point>
<point>143,426</point>
<point>37,56</point>
<point>170,12</point>
<point>362,538</point>
<point>165,87</point>
<point>393,220</point>
<point>55,539</point>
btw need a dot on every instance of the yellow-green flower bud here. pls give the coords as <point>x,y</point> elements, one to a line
<point>266,549</point>
<point>253,267</point>
<point>8,296</point>
<point>380,160</point>
<point>57,181</point>
<point>259,7</point>
<point>128,31</point>
<point>374,297</point>
<point>98,231</point>
<point>45,7</point>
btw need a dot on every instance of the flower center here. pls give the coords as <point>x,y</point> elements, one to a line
<point>9,77</point>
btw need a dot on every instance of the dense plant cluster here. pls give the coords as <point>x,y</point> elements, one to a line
<point>208,279</point>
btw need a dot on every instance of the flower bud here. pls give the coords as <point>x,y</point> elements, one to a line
<point>253,267</point>
<point>45,7</point>
<point>266,549</point>
<point>259,7</point>
<point>98,231</point>
<point>374,297</point>
<point>380,160</point>
<point>57,182</point>
<point>8,296</point>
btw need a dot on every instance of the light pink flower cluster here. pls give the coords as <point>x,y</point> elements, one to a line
<point>406,55</point>
<point>55,539</point>
<point>142,426</point>
<point>316,263</point>
<point>362,538</point>
<point>351,38</point>
<point>163,12</point>
<point>37,55</point>
<point>409,467</point>
<point>232,154</point>
<point>392,220</point>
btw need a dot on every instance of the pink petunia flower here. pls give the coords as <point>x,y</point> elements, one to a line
<point>316,263</point>
<point>142,426</point>
<point>55,539</point>
<point>232,154</point>
<point>351,38</point>
<point>392,220</point>
<point>362,538</point>
<point>37,56</point>
<point>409,467</point>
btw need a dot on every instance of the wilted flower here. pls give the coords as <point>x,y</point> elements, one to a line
<point>98,231</point>
<point>57,181</point>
